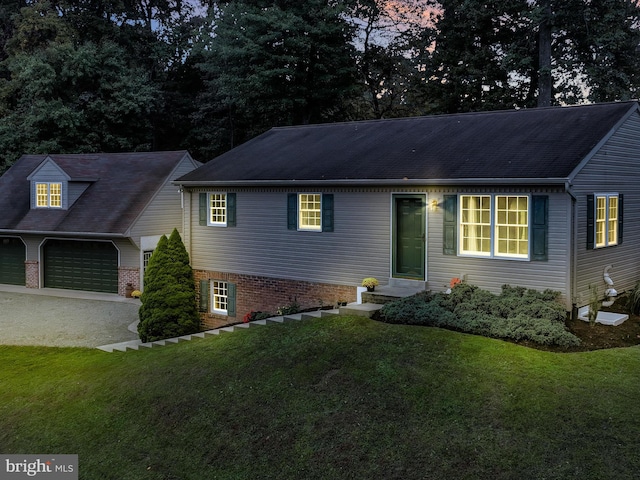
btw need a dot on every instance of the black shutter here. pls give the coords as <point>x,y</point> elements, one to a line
<point>204,295</point>
<point>203,209</point>
<point>292,211</point>
<point>231,209</point>
<point>591,222</point>
<point>231,299</point>
<point>540,228</point>
<point>450,227</point>
<point>327,212</point>
<point>620,217</point>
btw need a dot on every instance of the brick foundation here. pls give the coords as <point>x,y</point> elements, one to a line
<point>266,294</point>
<point>128,275</point>
<point>32,274</point>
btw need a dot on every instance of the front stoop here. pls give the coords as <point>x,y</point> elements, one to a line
<point>138,345</point>
<point>386,294</point>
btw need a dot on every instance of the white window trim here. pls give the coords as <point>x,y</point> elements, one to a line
<point>494,228</point>
<point>48,184</point>
<point>213,297</point>
<point>210,222</point>
<point>307,228</point>
<point>606,221</point>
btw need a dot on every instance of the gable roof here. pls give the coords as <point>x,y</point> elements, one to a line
<point>533,144</point>
<point>120,185</point>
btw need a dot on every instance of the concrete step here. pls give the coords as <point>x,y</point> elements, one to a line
<point>386,294</point>
<point>137,344</point>
<point>361,309</point>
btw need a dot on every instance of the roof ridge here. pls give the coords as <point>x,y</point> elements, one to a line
<point>456,114</point>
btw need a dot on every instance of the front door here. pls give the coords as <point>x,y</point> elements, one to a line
<point>409,237</point>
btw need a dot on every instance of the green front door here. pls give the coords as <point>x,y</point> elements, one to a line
<point>409,237</point>
<point>81,265</point>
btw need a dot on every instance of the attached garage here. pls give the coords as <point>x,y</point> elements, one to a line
<point>81,265</point>
<point>12,256</point>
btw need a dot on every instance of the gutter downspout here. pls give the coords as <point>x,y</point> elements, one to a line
<point>573,253</point>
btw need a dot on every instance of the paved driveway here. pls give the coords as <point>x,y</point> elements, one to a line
<point>64,319</point>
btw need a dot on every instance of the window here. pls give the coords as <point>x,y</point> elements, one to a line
<point>512,226</point>
<point>219,297</point>
<point>48,195</point>
<point>475,224</point>
<point>494,226</point>
<point>217,209</point>
<point>311,212</point>
<point>606,220</point>
<point>146,256</point>
<point>309,206</point>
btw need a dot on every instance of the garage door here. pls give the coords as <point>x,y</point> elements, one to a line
<point>12,256</point>
<point>75,265</point>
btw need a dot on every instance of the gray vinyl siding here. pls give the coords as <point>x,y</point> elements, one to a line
<point>262,245</point>
<point>129,254</point>
<point>360,246</point>
<point>33,243</point>
<point>75,189</point>
<point>164,212</point>
<point>615,168</point>
<point>492,273</point>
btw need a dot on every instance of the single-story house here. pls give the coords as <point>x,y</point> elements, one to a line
<point>532,197</point>
<point>87,221</point>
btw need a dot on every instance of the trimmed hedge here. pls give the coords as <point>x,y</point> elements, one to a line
<point>518,313</point>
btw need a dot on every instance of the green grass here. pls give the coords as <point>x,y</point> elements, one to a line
<point>344,397</point>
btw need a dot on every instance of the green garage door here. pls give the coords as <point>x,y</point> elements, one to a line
<point>12,256</point>
<point>75,265</point>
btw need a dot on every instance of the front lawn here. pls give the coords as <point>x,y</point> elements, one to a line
<point>341,397</point>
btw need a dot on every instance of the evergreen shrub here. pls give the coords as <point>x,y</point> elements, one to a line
<point>169,306</point>
<point>518,313</point>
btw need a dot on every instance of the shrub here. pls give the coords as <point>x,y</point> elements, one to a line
<point>169,299</point>
<point>289,309</point>
<point>517,314</point>
<point>633,300</point>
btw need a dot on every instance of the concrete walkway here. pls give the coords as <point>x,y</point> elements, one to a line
<point>64,318</point>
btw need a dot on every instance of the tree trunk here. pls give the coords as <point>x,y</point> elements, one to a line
<point>545,79</point>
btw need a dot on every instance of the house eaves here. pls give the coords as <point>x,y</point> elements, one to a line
<point>58,233</point>
<point>375,182</point>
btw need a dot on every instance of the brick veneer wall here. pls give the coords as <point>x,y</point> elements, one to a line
<point>267,294</point>
<point>32,273</point>
<point>128,275</point>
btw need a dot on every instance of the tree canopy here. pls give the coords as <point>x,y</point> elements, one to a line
<point>89,75</point>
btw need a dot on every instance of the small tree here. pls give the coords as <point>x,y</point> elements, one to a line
<point>169,299</point>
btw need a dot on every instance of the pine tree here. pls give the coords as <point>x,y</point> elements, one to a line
<point>169,298</point>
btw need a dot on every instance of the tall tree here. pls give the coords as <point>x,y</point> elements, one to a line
<point>169,299</point>
<point>534,52</point>
<point>273,63</point>
<point>391,38</point>
<point>470,70</point>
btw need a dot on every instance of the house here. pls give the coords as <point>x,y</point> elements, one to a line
<point>533,198</point>
<point>87,221</point>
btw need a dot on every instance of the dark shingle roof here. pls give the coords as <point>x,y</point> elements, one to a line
<point>121,186</point>
<point>533,144</point>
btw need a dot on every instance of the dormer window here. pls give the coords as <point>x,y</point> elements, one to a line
<point>48,195</point>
